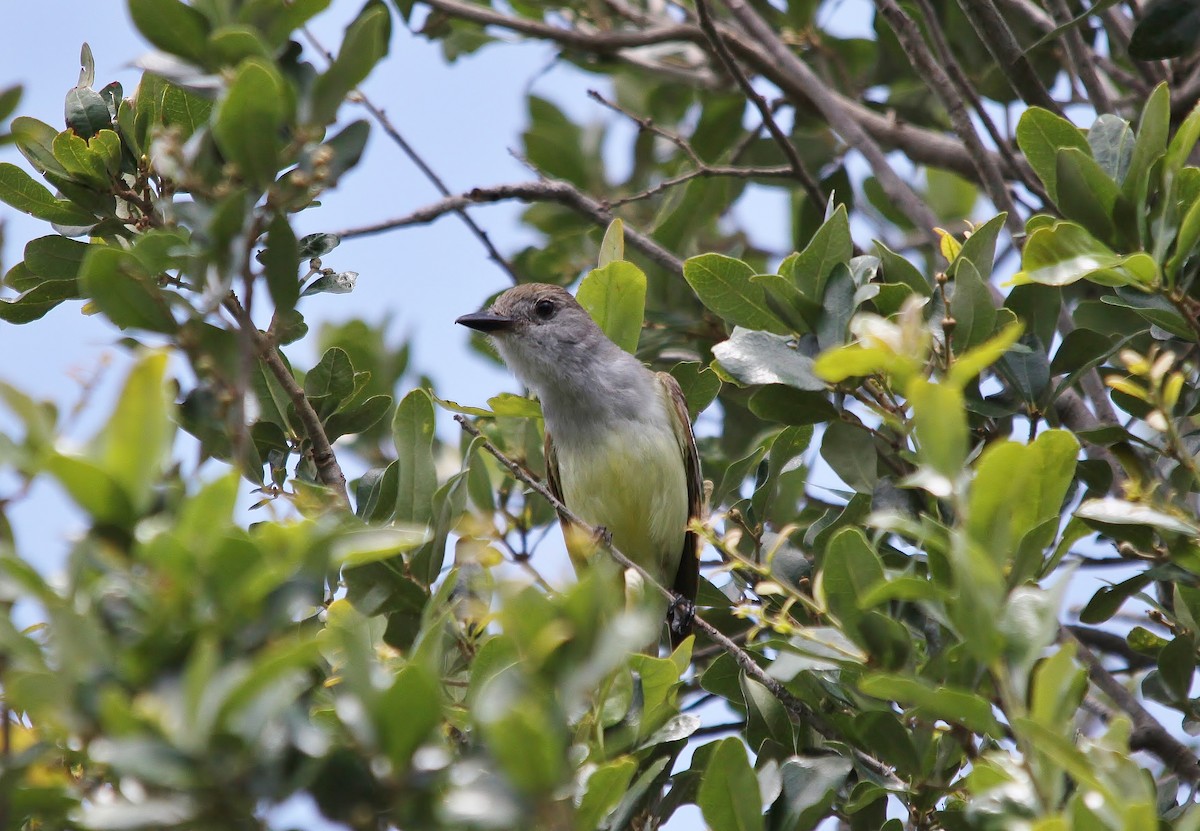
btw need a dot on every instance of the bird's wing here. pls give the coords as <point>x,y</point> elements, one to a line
<point>554,482</point>
<point>687,577</point>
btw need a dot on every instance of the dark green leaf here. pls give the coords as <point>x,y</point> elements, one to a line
<point>788,405</point>
<point>318,245</point>
<point>55,257</point>
<point>358,419</point>
<point>729,796</point>
<point>1086,193</point>
<point>365,43</point>
<point>172,26</point>
<point>830,245</point>
<point>971,307</point>
<point>412,429</point>
<point>953,705</point>
<point>850,452</point>
<point>1168,29</point>
<point>20,191</point>
<point>724,285</point>
<point>407,712</point>
<point>87,112</point>
<point>125,291</point>
<point>281,261</point>
<point>700,385</point>
<point>248,119</point>
<point>35,302</point>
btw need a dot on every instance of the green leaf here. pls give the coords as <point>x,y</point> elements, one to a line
<point>1112,142</point>
<point>753,357</point>
<point>1153,130</point>
<point>971,307</point>
<point>810,785</point>
<point>949,195</point>
<point>375,493</point>
<point>247,122</point>
<point>35,302</point>
<point>1108,599</point>
<point>979,248</point>
<point>412,430</point>
<point>729,796</point>
<point>724,285</point>
<point>1064,253</point>
<point>1040,135</point>
<point>700,385</point>
<point>331,382</point>
<point>850,568</point>
<point>121,287</point>
<point>941,425</point>
<point>612,247</point>
<point>900,271</point>
<point>281,262</point>
<point>766,718</point>
<point>810,269</point>
<point>35,140</point>
<point>788,405</point>
<point>955,706</point>
<point>365,43</point>
<point>359,418</point>
<point>55,257</point>
<point>615,296</point>
<point>94,489</point>
<point>406,713</point>
<point>1167,29</point>
<point>87,112</point>
<point>10,97</point>
<point>81,163</point>
<point>20,191</point>
<point>850,452</point>
<point>172,26</point>
<point>1086,193</point>
<point>603,789</point>
<point>1182,144</point>
<point>135,445</point>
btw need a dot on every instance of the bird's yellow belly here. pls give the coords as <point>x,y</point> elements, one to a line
<point>634,486</point>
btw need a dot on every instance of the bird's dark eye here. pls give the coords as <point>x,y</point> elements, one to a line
<point>544,309</point>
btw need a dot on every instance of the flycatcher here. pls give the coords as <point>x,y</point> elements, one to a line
<point>619,446</point>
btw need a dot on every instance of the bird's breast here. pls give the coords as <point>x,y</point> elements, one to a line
<point>630,478</point>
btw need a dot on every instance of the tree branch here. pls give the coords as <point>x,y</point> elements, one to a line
<point>811,188</point>
<point>937,79</point>
<point>795,707</point>
<point>1147,733</point>
<point>991,28</point>
<point>541,191</point>
<point>421,165</point>
<point>837,117</point>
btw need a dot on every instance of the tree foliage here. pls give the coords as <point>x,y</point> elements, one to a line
<point>984,326</point>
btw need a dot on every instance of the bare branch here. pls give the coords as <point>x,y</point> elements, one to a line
<point>427,171</point>
<point>795,707</point>
<point>811,188</point>
<point>1081,59</point>
<point>989,24</point>
<point>1147,733</point>
<point>937,79</point>
<point>838,118</point>
<point>541,191</point>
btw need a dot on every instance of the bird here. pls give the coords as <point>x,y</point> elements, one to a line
<point>619,447</point>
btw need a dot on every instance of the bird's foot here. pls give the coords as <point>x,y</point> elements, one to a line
<point>680,616</point>
<point>602,537</point>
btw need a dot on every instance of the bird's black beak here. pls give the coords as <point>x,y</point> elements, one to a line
<point>486,322</point>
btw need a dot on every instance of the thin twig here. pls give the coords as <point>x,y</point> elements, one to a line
<point>329,471</point>
<point>838,118</point>
<point>797,708</point>
<point>815,195</point>
<point>542,191</point>
<point>390,129</point>
<point>1147,733</point>
<point>992,29</point>
<point>1080,58</point>
<point>937,79</point>
<point>946,56</point>
<point>700,167</point>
